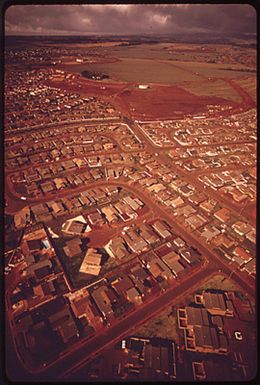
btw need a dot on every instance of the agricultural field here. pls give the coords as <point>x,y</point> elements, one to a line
<point>212,88</point>
<point>175,65</point>
<point>141,51</point>
<point>138,70</point>
<point>214,70</point>
<point>249,85</point>
<point>157,70</point>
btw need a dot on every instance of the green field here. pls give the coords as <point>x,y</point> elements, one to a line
<point>217,88</point>
<point>147,63</point>
<point>249,84</point>
<point>158,70</point>
<point>214,70</point>
<point>139,70</point>
<point>142,51</point>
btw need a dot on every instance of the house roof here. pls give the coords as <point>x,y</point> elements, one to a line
<point>206,336</point>
<point>207,206</point>
<point>139,272</point>
<point>34,244</point>
<point>161,229</point>
<point>197,316</point>
<point>177,202</point>
<point>148,235</point>
<point>123,284</point>
<point>251,266</point>
<point>158,267</point>
<point>76,227</point>
<point>176,267</point>
<point>214,301</point>
<point>91,263</point>
<point>73,247</point>
<point>132,294</point>
<point>242,227</point>
<point>79,306</point>
<point>179,242</point>
<point>170,258</point>
<point>135,242</point>
<point>223,214</point>
<point>131,202</point>
<point>48,287</point>
<point>240,252</point>
<point>117,247</point>
<point>102,301</point>
<point>38,265</point>
<point>95,218</point>
<point>42,272</point>
<point>225,241</point>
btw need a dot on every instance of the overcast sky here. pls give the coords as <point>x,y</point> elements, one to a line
<point>129,19</point>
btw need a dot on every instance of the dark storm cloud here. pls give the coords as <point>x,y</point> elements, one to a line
<point>128,19</point>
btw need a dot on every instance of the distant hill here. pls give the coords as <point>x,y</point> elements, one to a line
<point>240,39</point>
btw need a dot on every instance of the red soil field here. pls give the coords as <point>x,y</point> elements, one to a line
<point>88,87</point>
<point>99,238</point>
<point>159,101</point>
<point>167,102</point>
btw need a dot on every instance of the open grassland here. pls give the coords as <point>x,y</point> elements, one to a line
<point>217,88</point>
<point>213,70</point>
<point>139,71</point>
<point>152,63</point>
<point>249,85</point>
<point>86,45</point>
<point>161,71</point>
<point>142,51</point>
<point>164,325</point>
<point>219,283</point>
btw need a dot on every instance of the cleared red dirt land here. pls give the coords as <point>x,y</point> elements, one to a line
<point>167,102</point>
<point>157,102</point>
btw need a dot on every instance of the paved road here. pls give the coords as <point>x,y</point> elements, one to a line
<point>10,190</point>
<point>89,348</point>
<point>12,367</point>
<point>161,213</point>
<point>63,123</point>
<point>122,328</point>
<point>87,351</point>
<point>164,159</point>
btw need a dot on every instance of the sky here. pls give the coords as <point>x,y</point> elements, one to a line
<point>127,19</point>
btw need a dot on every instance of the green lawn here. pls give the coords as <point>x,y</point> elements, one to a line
<point>213,88</point>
